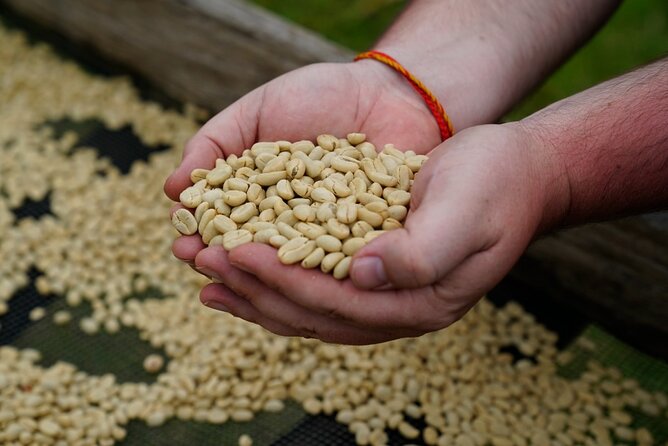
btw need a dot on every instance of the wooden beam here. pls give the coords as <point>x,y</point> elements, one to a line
<point>209,52</point>
<point>616,273</point>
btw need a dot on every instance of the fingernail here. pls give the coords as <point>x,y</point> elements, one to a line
<point>209,273</point>
<point>369,272</point>
<point>216,306</point>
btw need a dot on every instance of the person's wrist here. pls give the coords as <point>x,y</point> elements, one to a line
<point>470,88</point>
<point>384,81</point>
<point>550,172</point>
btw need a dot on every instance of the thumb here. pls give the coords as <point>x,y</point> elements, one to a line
<point>436,238</point>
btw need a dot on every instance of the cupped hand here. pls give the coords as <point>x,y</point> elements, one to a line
<point>476,204</point>
<point>365,96</point>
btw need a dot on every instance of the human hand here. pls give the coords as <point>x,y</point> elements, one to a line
<point>324,98</point>
<point>476,205</point>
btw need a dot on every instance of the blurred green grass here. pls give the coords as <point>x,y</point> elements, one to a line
<point>636,34</point>
<point>355,24</point>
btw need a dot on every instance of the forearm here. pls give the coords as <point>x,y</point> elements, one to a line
<point>611,143</point>
<point>480,57</point>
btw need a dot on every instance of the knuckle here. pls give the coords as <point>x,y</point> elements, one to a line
<point>419,270</point>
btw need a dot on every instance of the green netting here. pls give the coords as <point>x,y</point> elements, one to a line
<point>122,354</point>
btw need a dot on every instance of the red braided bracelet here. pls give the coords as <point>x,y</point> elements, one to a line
<point>435,107</point>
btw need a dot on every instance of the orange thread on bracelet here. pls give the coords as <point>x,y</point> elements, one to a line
<point>435,107</point>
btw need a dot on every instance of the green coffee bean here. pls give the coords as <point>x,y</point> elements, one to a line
<point>277,241</point>
<point>296,250</point>
<point>243,213</point>
<point>310,230</point>
<point>281,206</point>
<point>329,243</point>
<point>342,268</point>
<point>374,219</point>
<point>184,222</point>
<point>264,235</point>
<point>356,138</point>
<point>271,178</point>
<point>255,194</point>
<point>404,176</point>
<point>322,195</point>
<point>207,216</point>
<point>191,197</point>
<point>203,207</point>
<point>377,206</point>
<point>391,163</point>
<point>360,229</point>
<point>330,261</point>
<point>317,153</point>
<point>302,146</point>
<point>224,224</point>
<point>236,184</point>
<point>287,217</point>
<point>244,174</point>
<point>262,159</point>
<point>414,163</point>
<point>212,195</point>
<point>391,223</point>
<point>297,201</point>
<point>352,245</point>
<point>304,212</point>
<point>337,229</point>
<point>277,164</point>
<point>265,147</point>
<point>295,169</point>
<point>301,188</point>
<point>284,190</point>
<point>328,142</point>
<point>234,198</point>
<point>345,164</point>
<point>313,259</point>
<point>398,212</point>
<point>198,175</point>
<point>209,232</point>
<point>288,231</point>
<point>346,213</point>
<point>219,175</point>
<point>325,212</point>
<point>376,189</point>
<point>236,238</point>
<point>399,197</point>
<point>222,207</point>
<point>268,215</point>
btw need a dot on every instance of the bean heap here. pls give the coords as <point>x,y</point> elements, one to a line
<point>458,386</point>
<point>318,204</point>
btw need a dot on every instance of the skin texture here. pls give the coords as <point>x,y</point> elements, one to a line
<point>478,202</point>
<point>481,56</point>
<point>436,286</point>
<point>306,103</point>
<point>612,144</point>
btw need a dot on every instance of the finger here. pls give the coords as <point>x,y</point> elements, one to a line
<point>231,131</point>
<point>186,247</point>
<point>272,305</point>
<point>221,298</point>
<point>404,311</point>
<point>445,227</point>
<point>176,207</point>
